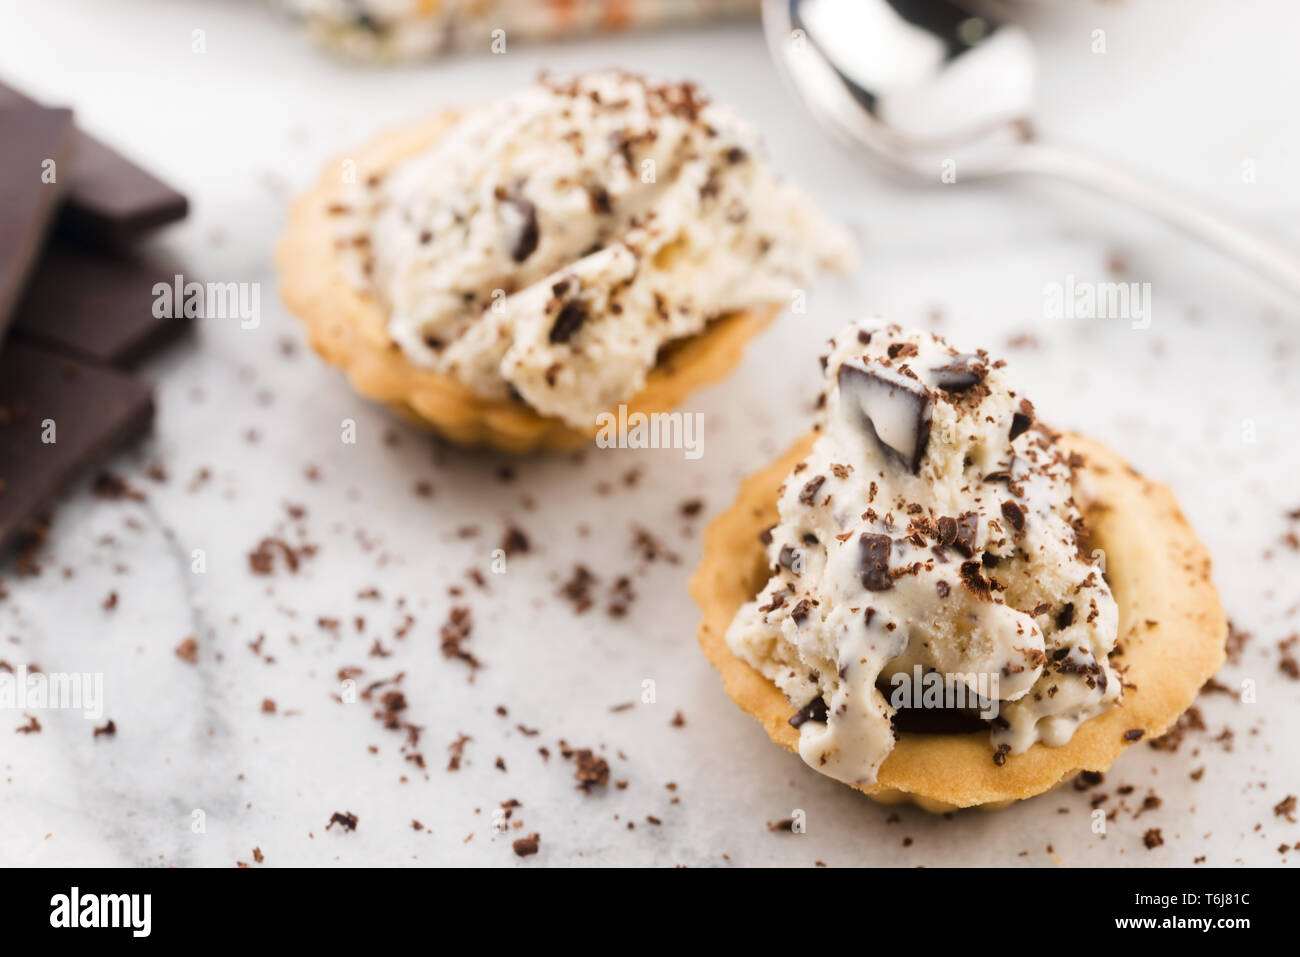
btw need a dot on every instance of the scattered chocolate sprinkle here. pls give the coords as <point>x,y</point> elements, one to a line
<point>1286,808</point>
<point>592,771</point>
<point>346,820</point>
<point>457,751</point>
<point>1088,779</point>
<point>31,727</point>
<point>515,542</point>
<point>526,846</point>
<point>455,632</point>
<point>577,590</point>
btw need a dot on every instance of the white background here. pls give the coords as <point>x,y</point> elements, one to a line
<point>1190,91</point>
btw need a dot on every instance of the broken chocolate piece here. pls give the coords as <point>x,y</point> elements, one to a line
<point>808,494</point>
<point>57,417</point>
<point>569,321</point>
<point>1014,514</point>
<point>960,372</point>
<point>110,202</point>
<point>968,524</point>
<point>814,710</point>
<point>790,558</point>
<point>873,562</point>
<point>526,239</point>
<point>1022,420</point>
<point>98,307</point>
<point>892,408</point>
<point>35,164</point>
<point>975,582</point>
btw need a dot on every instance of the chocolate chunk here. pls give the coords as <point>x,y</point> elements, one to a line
<point>968,524</point>
<point>569,321</point>
<point>790,558</point>
<point>942,588</point>
<point>960,372</point>
<point>814,710</point>
<point>1022,420</point>
<point>526,239</point>
<point>947,530</point>
<point>90,410</point>
<point>32,139</point>
<point>527,846</point>
<point>98,307</point>
<point>1014,514</point>
<point>937,721</point>
<point>808,494</point>
<point>892,408</point>
<point>111,202</point>
<point>873,562</point>
<point>1003,475</point>
<point>800,611</point>
<point>598,197</point>
<point>1065,617</point>
<point>1134,734</point>
<point>975,582</point>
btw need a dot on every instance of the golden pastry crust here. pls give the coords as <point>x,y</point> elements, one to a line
<point>349,329</point>
<point>1172,630</point>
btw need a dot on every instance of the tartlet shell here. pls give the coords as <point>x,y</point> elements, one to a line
<point>1172,629</point>
<point>349,329</point>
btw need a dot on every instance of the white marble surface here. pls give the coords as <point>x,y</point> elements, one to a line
<point>1190,90</point>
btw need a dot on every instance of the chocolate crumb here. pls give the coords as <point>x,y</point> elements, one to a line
<point>348,821</point>
<point>526,846</point>
<point>592,771</point>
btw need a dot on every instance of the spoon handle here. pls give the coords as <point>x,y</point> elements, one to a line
<point>1265,256</point>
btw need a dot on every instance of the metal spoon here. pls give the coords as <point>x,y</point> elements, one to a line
<point>943,94</point>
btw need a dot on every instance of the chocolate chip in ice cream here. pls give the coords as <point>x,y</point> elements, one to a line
<point>528,234</point>
<point>814,710</point>
<point>569,321</point>
<point>959,532</point>
<point>873,562</point>
<point>960,373</point>
<point>790,558</point>
<point>808,494</point>
<point>1022,420</point>
<point>892,408</point>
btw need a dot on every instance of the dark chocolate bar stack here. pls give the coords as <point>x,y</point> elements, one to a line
<point>76,304</point>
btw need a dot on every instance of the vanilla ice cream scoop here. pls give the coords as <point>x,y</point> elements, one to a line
<point>931,532</point>
<point>554,240</point>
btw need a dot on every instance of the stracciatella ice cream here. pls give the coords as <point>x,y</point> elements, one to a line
<point>931,531</point>
<point>553,241</point>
